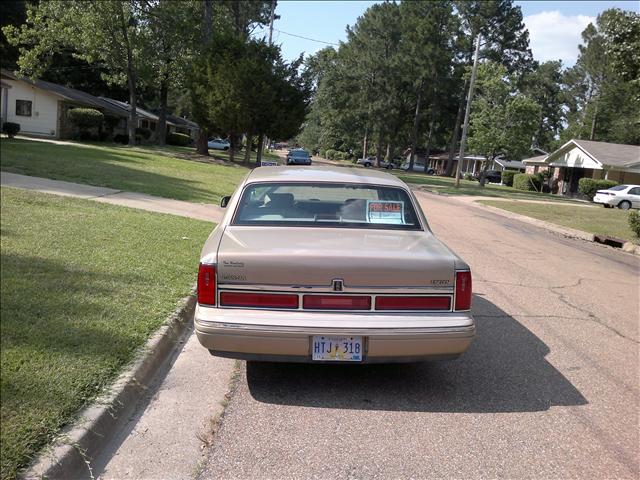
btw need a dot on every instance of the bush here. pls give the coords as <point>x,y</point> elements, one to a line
<point>341,155</point>
<point>468,176</point>
<point>144,133</point>
<point>85,118</point>
<point>330,154</point>
<point>507,177</point>
<point>634,222</point>
<point>528,182</point>
<point>120,138</point>
<point>589,186</point>
<point>10,128</point>
<point>181,139</point>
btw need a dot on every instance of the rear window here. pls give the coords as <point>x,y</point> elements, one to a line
<point>326,205</point>
<point>619,187</point>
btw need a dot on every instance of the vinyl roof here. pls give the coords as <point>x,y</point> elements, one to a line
<point>324,174</point>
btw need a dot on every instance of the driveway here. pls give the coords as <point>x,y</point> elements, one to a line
<point>548,390</point>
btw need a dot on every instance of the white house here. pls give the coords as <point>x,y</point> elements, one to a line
<point>35,109</point>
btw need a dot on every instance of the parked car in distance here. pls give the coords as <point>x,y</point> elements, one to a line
<point>417,167</point>
<point>330,264</point>
<point>371,162</point>
<point>218,144</point>
<point>492,176</point>
<point>298,156</point>
<point>621,196</point>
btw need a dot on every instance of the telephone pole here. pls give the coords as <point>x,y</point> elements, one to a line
<point>273,11</point>
<point>465,128</point>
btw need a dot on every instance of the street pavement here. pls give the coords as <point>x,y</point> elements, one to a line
<point>549,389</point>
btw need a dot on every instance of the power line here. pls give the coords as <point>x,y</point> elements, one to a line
<point>306,38</point>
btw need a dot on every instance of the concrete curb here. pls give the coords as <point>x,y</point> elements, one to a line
<point>71,454</point>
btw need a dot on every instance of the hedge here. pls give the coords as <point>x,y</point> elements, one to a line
<point>507,177</point>
<point>528,182</point>
<point>10,128</point>
<point>589,186</point>
<point>180,139</point>
<point>85,118</point>
<point>144,133</point>
<point>634,222</point>
<point>330,154</point>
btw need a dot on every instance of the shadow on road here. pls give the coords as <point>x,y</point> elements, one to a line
<point>504,371</point>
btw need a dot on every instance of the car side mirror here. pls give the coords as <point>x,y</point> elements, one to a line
<point>225,201</point>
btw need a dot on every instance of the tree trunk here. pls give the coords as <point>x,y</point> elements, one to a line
<point>365,146</point>
<point>416,126</point>
<point>202,141</point>
<point>379,148</point>
<point>594,121</point>
<point>232,147</point>
<point>247,150</point>
<point>131,81</point>
<point>161,131</point>
<point>427,152</point>
<point>259,152</point>
<point>208,21</point>
<point>456,134</point>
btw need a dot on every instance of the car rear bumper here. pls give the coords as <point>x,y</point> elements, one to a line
<point>605,199</point>
<point>286,336</point>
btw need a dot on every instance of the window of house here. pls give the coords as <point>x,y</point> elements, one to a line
<point>152,126</point>
<point>144,124</point>
<point>23,108</point>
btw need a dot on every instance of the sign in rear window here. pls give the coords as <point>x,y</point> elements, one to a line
<point>388,212</point>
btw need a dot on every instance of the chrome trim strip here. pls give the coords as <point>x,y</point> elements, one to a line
<point>392,290</point>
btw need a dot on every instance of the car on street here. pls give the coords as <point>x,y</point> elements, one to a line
<point>491,176</point>
<point>298,156</point>
<point>371,162</point>
<point>330,264</point>
<point>218,144</point>
<point>417,167</point>
<point>621,196</point>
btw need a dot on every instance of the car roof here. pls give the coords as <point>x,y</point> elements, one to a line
<point>323,175</point>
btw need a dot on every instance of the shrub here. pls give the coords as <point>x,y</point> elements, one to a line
<point>341,155</point>
<point>144,133</point>
<point>589,186</point>
<point>468,176</point>
<point>528,182</point>
<point>120,138</point>
<point>634,222</point>
<point>330,154</point>
<point>507,177</point>
<point>181,139</point>
<point>85,118</point>
<point>10,128</point>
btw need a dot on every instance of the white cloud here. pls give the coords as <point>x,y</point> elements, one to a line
<point>555,36</point>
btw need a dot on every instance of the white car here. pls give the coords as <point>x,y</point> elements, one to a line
<point>219,144</point>
<point>621,196</point>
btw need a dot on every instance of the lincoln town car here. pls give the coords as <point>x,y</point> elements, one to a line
<point>330,265</point>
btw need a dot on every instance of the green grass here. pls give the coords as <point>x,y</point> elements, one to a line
<point>83,285</point>
<point>445,186</point>
<point>596,220</point>
<point>171,172</point>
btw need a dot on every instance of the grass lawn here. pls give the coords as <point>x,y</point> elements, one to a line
<point>162,171</point>
<point>596,220</point>
<point>445,185</point>
<point>82,286</point>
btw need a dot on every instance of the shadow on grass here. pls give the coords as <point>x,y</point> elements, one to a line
<point>504,371</point>
<point>118,167</point>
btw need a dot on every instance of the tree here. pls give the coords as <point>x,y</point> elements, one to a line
<point>502,120</point>
<point>104,33</point>
<point>622,30</point>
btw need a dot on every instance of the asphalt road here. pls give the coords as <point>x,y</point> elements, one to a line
<point>549,389</point>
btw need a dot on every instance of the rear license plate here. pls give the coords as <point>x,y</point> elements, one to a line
<point>336,349</point>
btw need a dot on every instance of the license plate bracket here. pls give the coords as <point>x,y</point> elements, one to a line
<point>337,348</point>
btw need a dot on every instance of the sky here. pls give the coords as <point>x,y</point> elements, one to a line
<point>554,26</point>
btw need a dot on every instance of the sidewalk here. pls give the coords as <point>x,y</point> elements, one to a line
<point>199,211</point>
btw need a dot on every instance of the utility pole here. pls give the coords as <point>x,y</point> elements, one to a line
<point>273,11</point>
<point>465,128</point>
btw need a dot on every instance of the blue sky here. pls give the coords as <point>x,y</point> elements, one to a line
<point>554,27</point>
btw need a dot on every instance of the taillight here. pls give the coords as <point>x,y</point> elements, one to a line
<point>336,302</point>
<point>207,284</point>
<point>463,291</point>
<point>269,300</point>
<point>412,303</point>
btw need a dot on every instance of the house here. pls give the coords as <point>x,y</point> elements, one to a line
<point>578,159</point>
<point>40,108</point>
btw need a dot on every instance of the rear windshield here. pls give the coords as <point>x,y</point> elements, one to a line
<point>326,205</point>
<point>619,187</point>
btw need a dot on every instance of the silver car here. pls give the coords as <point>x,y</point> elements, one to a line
<point>330,264</point>
<point>621,196</point>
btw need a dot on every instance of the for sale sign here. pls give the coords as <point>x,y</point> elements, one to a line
<point>385,211</point>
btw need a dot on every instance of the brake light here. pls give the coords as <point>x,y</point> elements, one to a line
<point>463,290</point>
<point>207,284</point>
<point>268,300</point>
<point>412,303</point>
<point>336,302</point>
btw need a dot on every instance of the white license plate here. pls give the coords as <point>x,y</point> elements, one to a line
<point>336,349</point>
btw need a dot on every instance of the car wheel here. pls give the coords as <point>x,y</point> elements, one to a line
<point>606,206</point>
<point>367,165</point>
<point>389,167</point>
<point>624,205</point>
<point>226,148</point>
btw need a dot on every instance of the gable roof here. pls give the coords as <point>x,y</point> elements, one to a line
<point>610,154</point>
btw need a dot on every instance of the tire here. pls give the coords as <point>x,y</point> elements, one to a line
<point>624,205</point>
<point>389,167</point>
<point>367,165</point>
<point>226,148</point>
<point>606,206</point>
